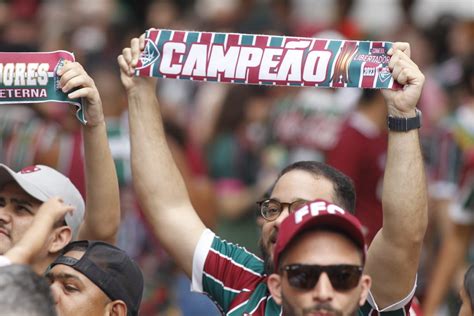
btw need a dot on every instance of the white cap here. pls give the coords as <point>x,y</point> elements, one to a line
<point>43,183</point>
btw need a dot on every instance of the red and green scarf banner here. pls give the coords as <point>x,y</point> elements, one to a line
<point>265,60</point>
<point>32,78</point>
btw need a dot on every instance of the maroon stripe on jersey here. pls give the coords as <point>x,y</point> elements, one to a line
<point>231,275</point>
<point>243,297</point>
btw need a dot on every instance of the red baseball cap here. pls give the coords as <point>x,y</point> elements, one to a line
<point>317,214</point>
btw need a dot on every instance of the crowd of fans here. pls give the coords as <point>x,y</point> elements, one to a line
<point>231,141</point>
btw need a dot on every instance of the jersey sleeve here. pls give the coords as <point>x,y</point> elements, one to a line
<point>223,270</point>
<point>401,307</point>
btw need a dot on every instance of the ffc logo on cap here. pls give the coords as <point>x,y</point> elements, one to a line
<point>30,169</point>
<point>315,208</point>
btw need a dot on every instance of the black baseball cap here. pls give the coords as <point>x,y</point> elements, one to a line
<point>108,267</point>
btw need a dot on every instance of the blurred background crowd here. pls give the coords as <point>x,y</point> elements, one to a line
<point>231,141</point>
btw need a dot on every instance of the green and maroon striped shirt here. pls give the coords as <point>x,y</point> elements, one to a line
<point>234,279</point>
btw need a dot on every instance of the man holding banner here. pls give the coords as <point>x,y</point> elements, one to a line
<point>236,279</point>
<point>22,193</point>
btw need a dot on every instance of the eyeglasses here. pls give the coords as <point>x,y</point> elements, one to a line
<point>270,209</point>
<point>343,277</point>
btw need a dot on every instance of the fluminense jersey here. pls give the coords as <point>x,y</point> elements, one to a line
<point>234,278</point>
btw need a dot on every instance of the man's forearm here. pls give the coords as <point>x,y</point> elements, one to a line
<point>404,195</point>
<point>394,254</point>
<point>102,217</point>
<point>154,170</point>
<point>158,183</point>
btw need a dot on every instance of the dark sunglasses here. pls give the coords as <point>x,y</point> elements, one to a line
<point>343,277</point>
<point>270,209</point>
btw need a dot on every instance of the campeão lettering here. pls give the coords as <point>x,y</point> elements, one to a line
<point>274,64</point>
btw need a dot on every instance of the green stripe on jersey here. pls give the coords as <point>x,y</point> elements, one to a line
<point>239,255</point>
<point>212,284</point>
<point>217,291</point>
<point>258,299</point>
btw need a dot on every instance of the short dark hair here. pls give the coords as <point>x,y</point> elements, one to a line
<point>23,292</point>
<point>469,284</point>
<point>345,195</point>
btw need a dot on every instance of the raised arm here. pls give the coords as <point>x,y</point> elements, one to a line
<point>394,254</point>
<point>158,183</point>
<point>102,216</point>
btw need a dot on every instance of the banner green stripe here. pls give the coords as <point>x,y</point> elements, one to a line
<point>276,41</point>
<point>38,94</point>
<point>219,38</point>
<point>355,70</point>
<point>247,39</point>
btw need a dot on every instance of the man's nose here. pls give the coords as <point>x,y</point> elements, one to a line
<point>5,214</point>
<point>323,290</point>
<point>54,287</point>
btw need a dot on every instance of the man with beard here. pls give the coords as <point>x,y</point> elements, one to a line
<point>235,278</point>
<point>319,259</point>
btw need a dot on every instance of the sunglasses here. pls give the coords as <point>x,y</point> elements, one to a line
<point>343,277</point>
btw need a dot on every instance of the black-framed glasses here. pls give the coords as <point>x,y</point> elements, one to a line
<point>270,209</point>
<point>343,277</point>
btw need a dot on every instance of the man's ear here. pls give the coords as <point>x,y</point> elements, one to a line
<point>60,238</point>
<point>117,308</point>
<point>366,282</point>
<point>274,285</point>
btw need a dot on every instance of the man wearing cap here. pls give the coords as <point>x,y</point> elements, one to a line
<point>229,274</point>
<point>95,278</point>
<point>319,261</point>
<point>21,193</point>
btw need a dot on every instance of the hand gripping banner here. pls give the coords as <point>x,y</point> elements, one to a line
<point>32,78</point>
<point>265,60</point>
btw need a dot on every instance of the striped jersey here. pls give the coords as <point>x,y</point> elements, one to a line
<point>234,279</point>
